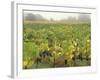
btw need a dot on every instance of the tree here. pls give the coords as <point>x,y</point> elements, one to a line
<point>33,17</point>
<point>69,19</point>
<point>84,18</point>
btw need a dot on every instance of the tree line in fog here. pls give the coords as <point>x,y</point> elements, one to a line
<point>38,17</point>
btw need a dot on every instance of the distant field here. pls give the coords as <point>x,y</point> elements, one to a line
<point>49,45</point>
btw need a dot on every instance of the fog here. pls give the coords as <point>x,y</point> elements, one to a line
<point>56,16</point>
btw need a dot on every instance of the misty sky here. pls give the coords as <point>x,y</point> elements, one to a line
<point>54,15</point>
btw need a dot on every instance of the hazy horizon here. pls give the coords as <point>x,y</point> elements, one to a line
<point>54,15</point>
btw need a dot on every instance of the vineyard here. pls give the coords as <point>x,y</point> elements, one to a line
<point>52,45</point>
